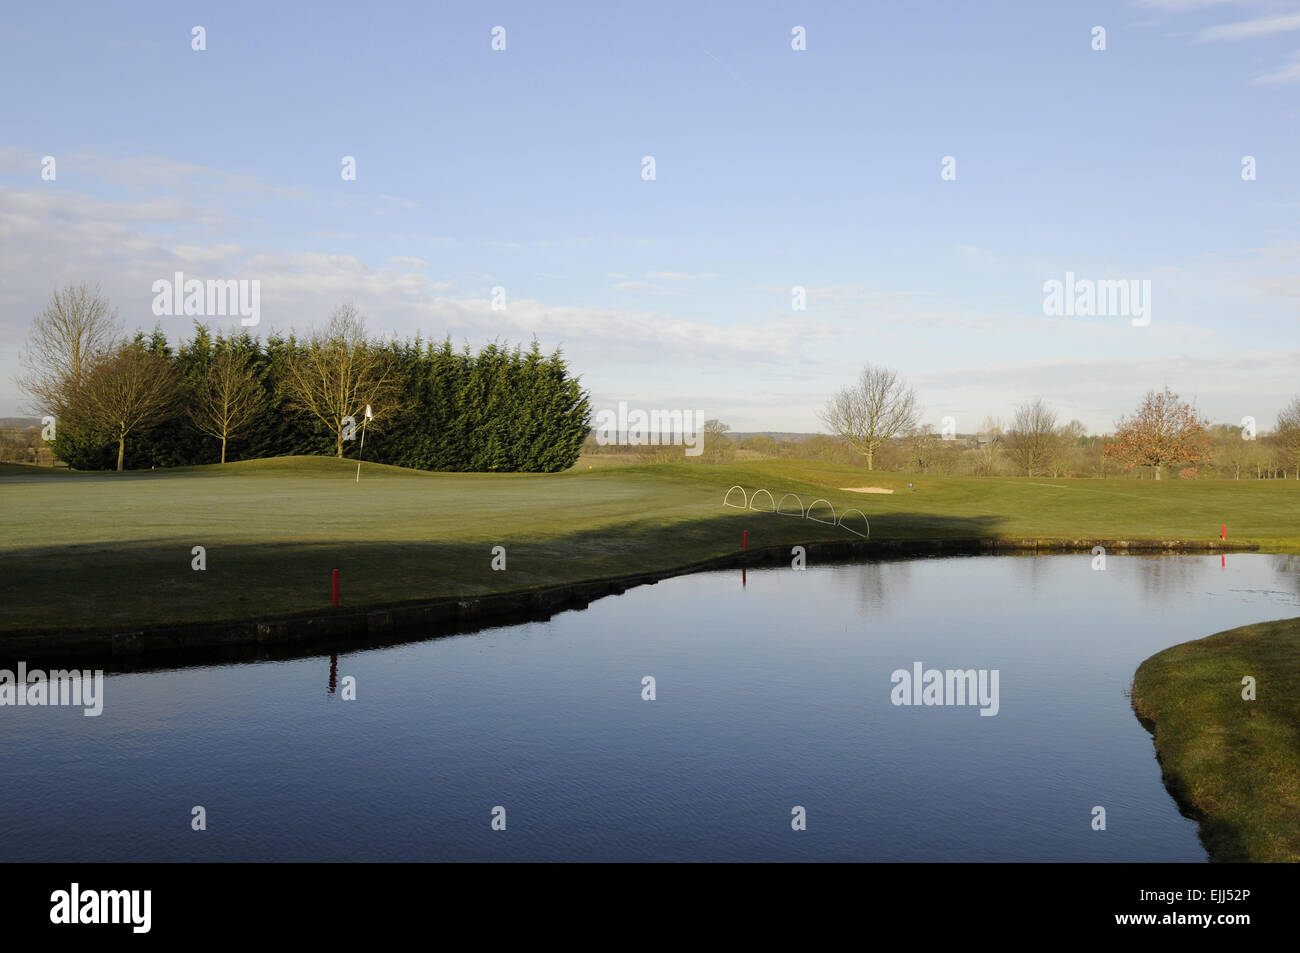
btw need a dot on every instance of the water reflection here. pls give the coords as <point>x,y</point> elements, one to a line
<point>1286,570</point>
<point>876,584</point>
<point>774,698</point>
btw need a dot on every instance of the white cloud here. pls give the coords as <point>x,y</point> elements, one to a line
<point>1287,74</point>
<point>1179,6</point>
<point>1249,29</point>
<point>403,261</point>
<point>51,234</point>
<point>50,237</point>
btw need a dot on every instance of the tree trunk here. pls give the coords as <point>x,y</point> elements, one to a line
<point>870,454</point>
<point>223,448</point>
<point>1157,471</point>
<point>121,450</point>
<point>339,441</point>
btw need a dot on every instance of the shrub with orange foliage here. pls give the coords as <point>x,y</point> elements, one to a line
<point>1164,432</point>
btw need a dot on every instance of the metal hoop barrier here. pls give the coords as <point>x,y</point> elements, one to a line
<point>782,503</point>
<point>743,495</point>
<point>867,534</point>
<point>748,501</point>
<point>829,522</point>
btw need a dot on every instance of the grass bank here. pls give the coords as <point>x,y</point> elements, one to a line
<point>1231,763</point>
<point>105,552</point>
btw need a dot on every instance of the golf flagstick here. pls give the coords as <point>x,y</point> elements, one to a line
<point>363,441</point>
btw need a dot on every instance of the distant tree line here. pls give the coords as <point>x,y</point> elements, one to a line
<point>136,402</point>
<point>875,422</point>
<point>20,442</point>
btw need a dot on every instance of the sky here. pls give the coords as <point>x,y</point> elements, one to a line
<point>822,168</point>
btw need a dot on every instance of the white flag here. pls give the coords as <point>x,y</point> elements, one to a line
<point>369,415</point>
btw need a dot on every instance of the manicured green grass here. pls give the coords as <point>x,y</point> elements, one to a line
<point>1233,763</point>
<point>113,551</point>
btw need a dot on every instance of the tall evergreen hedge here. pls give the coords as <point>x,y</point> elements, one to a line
<point>501,409</point>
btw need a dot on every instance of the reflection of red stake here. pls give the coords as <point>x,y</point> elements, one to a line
<point>1223,561</point>
<point>336,588</point>
<point>1223,533</point>
<point>744,540</point>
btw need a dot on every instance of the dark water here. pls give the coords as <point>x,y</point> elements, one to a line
<point>768,696</point>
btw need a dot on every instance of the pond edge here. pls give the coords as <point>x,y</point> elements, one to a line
<point>449,614</point>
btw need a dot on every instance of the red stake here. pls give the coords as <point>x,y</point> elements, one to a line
<point>1223,533</point>
<point>336,588</point>
<point>744,540</point>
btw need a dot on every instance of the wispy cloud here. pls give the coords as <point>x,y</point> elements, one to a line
<point>1249,29</point>
<point>1287,74</point>
<point>1180,6</point>
<point>142,173</point>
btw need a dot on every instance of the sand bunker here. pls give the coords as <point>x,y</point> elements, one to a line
<point>866,489</point>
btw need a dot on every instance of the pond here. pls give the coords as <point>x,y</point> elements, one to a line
<point>772,692</point>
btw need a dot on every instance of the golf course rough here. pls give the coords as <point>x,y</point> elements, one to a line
<point>1224,717</point>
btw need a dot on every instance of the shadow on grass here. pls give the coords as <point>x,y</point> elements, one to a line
<point>1223,841</point>
<point>93,591</point>
<point>1230,763</point>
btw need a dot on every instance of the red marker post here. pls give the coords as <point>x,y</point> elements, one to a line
<point>1223,533</point>
<point>336,588</point>
<point>744,540</point>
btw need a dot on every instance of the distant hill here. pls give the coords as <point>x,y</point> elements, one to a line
<point>19,423</point>
<point>779,435</point>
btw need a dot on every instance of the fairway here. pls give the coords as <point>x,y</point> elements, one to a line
<point>111,552</point>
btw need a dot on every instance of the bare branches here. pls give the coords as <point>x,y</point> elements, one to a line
<point>1288,433</point>
<point>77,329</point>
<point>228,397</point>
<point>126,391</point>
<point>338,373</point>
<point>1034,441</point>
<point>871,412</point>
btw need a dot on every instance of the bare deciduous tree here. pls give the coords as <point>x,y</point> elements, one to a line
<point>718,447</point>
<point>1288,433</point>
<point>923,448</point>
<point>125,392</point>
<point>77,329</point>
<point>338,373</point>
<point>876,409</point>
<point>1033,440</point>
<point>227,397</point>
<point>991,439</point>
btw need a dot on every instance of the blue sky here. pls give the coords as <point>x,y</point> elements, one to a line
<point>774,168</point>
